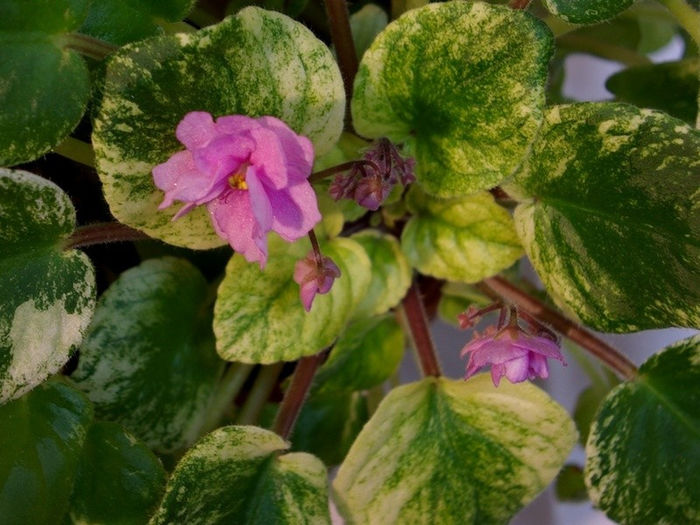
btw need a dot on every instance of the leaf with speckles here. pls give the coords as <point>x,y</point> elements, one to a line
<point>235,475</point>
<point>453,452</point>
<point>259,318</point>
<point>148,360</point>
<point>464,239</point>
<point>41,438</point>
<point>609,215</point>
<point>391,273</point>
<point>586,11</point>
<point>462,85</point>
<point>47,293</point>
<point>254,63</point>
<point>643,452</point>
<point>366,24</point>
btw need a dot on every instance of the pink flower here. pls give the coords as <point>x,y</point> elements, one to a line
<point>511,353</point>
<point>314,276</point>
<point>250,173</point>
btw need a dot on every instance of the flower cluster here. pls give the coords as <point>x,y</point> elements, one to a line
<point>250,173</point>
<point>314,274</point>
<point>369,183</point>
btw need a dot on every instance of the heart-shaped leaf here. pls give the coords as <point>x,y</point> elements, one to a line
<point>148,360</point>
<point>46,292</point>
<point>444,451</point>
<point>463,239</point>
<point>587,11</point>
<point>235,475</point>
<point>644,446</point>
<point>471,128</point>
<point>255,63</point>
<point>259,318</point>
<point>609,218</point>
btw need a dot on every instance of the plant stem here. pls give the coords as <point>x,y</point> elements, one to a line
<point>417,321</point>
<point>345,166</point>
<point>586,44</point>
<point>339,25</point>
<point>229,386</point>
<point>296,394</point>
<point>259,394</point>
<point>87,45</point>
<point>519,4</point>
<point>175,27</point>
<point>603,351</point>
<point>102,233</point>
<point>76,150</point>
<point>687,17</point>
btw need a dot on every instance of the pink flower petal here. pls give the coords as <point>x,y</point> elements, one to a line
<point>179,178</point>
<point>196,129</point>
<point>259,201</point>
<point>236,124</point>
<point>298,149</point>
<point>497,372</point>
<point>294,211</point>
<point>538,366</point>
<point>223,156</point>
<point>517,369</point>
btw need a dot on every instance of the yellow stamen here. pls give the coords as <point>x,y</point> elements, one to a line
<point>237,180</point>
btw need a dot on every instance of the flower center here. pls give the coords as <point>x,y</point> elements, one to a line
<point>236,180</point>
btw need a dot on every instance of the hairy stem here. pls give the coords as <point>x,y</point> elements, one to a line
<point>603,351</point>
<point>345,166</point>
<point>586,44</point>
<point>687,17</point>
<point>76,150</point>
<point>87,45</point>
<point>296,394</point>
<point>519,4</point>
<point>102,233</point>
<point>229,386</point>
<point>417,322</point>
<point>259,394</point>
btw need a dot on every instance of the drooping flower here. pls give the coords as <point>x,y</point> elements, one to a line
<point>251,173</point>
<point>314,275</point>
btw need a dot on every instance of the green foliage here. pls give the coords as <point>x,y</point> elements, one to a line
<point>644,447</point>
<point>148,360</point>
<point>366,24</point>
<point>569,485</point>
<point>471,129</point>
<point>608,217</point>
<point>46,292</point>
<point>586,11</point>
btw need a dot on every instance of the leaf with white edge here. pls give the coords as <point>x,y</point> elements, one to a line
<point>643,451</point>
<point>366,355</point>
<point>609,215</point>
<point>471,129</point>
<point>391,273</point>
<point>46,292</point>
<point>41,439</point>
<point>586,11</point>
<point>235,475</point>
<point>453,452</point>
<point>119,480</point>
<point>464,239</point>
<point>148,360</point>
<point>365,25</point>
<point>255,63</point>
<point>259,318</point>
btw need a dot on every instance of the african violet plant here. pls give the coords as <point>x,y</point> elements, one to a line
<point>171,380</point>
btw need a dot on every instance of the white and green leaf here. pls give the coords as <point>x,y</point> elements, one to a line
<point>586,11</point>
<point>445,451</point>
<point>47,293</point>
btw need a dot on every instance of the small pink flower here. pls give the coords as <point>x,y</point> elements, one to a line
<point>314,276</point>
<point>250,173</point>
<point>511,353</point>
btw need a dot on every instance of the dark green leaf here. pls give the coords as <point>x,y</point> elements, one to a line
<point>570,486</point>
<point>586,11</point>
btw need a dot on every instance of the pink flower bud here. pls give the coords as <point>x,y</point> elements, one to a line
<point>314,276</point>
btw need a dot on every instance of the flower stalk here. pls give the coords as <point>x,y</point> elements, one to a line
<point>259,394</point>
<point>103,233</point>
<point>87,45</point>
<point>417,321</point>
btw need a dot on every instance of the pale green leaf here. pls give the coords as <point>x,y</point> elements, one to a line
<point>235,475</point>
<point>586,11</point>
<point>453,452</point>
<point>463,239</point>
<point>259,318</point>
<point>455,298</point>
<point>148,360</point>
<point>366,24</point>
<point>609,215</point>
<point>255,63</point>
<point>471,128</point>
<point>644,447</point>
<point>47,293</point>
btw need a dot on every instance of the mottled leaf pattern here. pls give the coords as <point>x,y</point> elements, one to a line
<point>586,11</point>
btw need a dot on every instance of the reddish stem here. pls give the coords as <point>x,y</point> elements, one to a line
<point>519,4</point>
<point>345,166</point>
<point>414,313</point>
<point>102,233</point>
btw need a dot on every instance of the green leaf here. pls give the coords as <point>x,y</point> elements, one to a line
<point>118,481</point>
<point>455,298</point>
<point>46,16</point>
<point>43,92</point>
<point>41,438</point>
<point>391,273</point>
<point>46,292</point>
<point>255,63</point>
<point>148,360</point>
<point>608,216</point>
<point>671,87</point>
<point>586,11</point>
<point>366,355</point>
<point>234,475</point>
<point>570,486</point>
<point>259,318</point>
<point>445,451</point>
<point>365,25</point>
<point>644,447</point>
<point>328,425</point>
<point>464,239</point>
<point>471,129</point>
